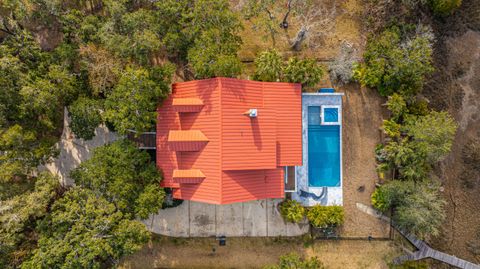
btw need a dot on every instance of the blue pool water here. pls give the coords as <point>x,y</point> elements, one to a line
<point>323,154</point>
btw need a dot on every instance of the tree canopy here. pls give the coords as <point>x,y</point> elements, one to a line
<point>18,216</point>
<point>84,230</point>
<point>85,115</point>
<point>417,207</point>
<point>124,176</point>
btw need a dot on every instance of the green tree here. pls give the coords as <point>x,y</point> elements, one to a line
<point>407,157</point>
<point>292,211</point>
<point>215,54</point>
<point>18,216</point>
<point>85,231</point>
<point>123,175</point>
<point>133,102</point>
<point>21,151</point>
<point>269,66</point>
<point>214,30</point>
<point>417,207</point>
<point>293,261</point>
<point>396,62</point>
<point>325,216</point>
<point>263,15</point>
<point>391,194</point>
<point>434,132</point>
<point>85,117</point>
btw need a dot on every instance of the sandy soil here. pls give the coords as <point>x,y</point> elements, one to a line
<point>461,96</point>
<point>362,117</point>
<point>258,252</point>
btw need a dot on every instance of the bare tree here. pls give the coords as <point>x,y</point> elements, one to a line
<point>341,69</point>
<point>316,21</point>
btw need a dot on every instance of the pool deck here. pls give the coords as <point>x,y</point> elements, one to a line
<point>334,195</point>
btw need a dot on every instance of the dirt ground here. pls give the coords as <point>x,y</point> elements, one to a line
<point>258,252</point>
<point>344,25</point>
<point>456,88</point>
<point>362,117</point>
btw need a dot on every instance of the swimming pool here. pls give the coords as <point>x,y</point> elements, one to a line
<point>323,155</point>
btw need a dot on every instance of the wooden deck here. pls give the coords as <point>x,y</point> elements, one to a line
<point>146,140</point>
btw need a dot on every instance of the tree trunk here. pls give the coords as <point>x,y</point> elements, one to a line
<point>301,36</point>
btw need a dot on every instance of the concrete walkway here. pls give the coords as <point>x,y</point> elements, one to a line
<point>193,219</point>
<point>73,151</point>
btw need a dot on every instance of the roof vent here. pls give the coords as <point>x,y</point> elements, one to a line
<point>252,113</point>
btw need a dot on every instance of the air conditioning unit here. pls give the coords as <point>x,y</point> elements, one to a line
<point>252,113</point>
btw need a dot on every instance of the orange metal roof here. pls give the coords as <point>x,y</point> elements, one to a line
<point>244,157</point>
<point>177,173</point>
<point>187,102</point>
<point>186,136</point>
<point>188,176</point>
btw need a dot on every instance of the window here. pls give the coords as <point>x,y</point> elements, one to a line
<point>290,179</point>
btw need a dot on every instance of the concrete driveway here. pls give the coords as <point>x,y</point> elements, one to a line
<point>193,219</point>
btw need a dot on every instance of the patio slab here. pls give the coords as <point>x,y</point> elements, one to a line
<point>192,219</point>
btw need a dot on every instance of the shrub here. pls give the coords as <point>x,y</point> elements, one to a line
<point>379,200</point>
<point>293,261</point>
<point>268,66</point>
<point>444,7</point>
<point>325,216</point>
<point>307,72</point>
<point>411,265</point>
<point>397,106</point>
<point>391,194</point>
<point>391,128</point>
<point>418,108</point>
<point>292,211</point>
<point>396,62</point>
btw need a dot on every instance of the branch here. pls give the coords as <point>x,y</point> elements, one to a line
<point>6,30</point>
<point>284,23</point>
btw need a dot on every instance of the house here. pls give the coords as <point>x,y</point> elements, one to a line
<point>225,140</point>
